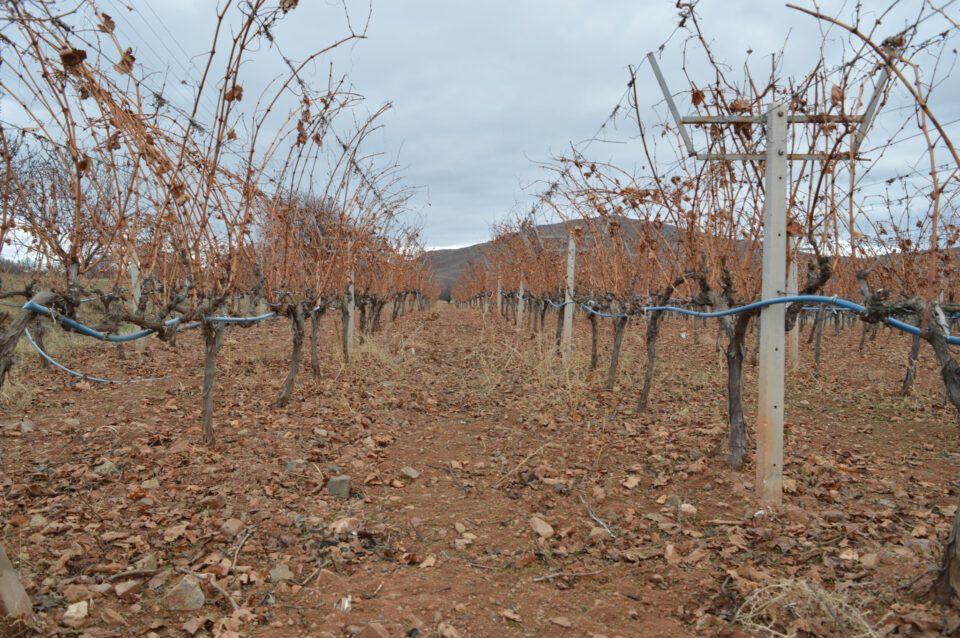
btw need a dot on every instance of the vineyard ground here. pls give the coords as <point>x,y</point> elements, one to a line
<point>499,434</point>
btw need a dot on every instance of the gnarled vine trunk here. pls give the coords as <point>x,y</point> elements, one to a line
<point>212,342</point>
<point>10,336</point>
<point>619,324</point>
<point>910,374</point>
<point>558,337</point>
<point>377,315</point>
<point>594,339</point>
<point>946,586</point>
<point>297,325</point>
<point>314,345</point>
<point>736,350</point>
<point>818,343</point>
<point>653,329</point>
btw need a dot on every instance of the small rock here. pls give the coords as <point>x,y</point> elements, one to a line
<point>509,614</point>
<point>112,617</point>
<point>344,526</point>
<point>71,422</point>
<point>410,473</point>
<point>127,589</point>
<point>105,468</point>
<point>294,464</point>
<point>280,573</point>
<point>26,427</point>
<point>460,527</point>
<point>339,486</point>
<point>561,621</point>
<point>214,502</point>
<point>688,509</point>
<point>76,613</point>
<point>185,596</point>
<point>671,555</point>
<point>75,593</point>
<point>160,579</point>
<point>833,516</point>
<point>151,484</point>
<point>194,625</point>
<point>541,527</point>
<point>374,630</point>
<point>447,631</point>
<point>795,515</point>
<point>598,534</point>
<point>231,527</point>
<point>869,560</point>
<point>180,447</point>
<point>148,563</point>
<point>37,521</point>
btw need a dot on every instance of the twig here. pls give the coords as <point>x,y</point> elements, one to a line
<point>236,553</point>
<point>135,573</point>
<point>521,464</point>
<point>212,581</point>
<point>313,574</point>
<point>478,566</point>
<point>602,523</point>
<point>456,479</point>
<point>373,594</point>
<point>539,579</point>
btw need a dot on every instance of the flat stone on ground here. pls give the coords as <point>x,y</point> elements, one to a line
<point>185,596</point>
<point>280,573</point>
<point>339,486</point>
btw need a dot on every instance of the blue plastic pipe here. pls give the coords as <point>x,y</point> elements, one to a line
<point>835,301</point>
<point>134,336</point>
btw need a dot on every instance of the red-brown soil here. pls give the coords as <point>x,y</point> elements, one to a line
<point>499,434</point>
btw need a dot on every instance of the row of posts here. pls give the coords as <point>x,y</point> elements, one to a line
<point>566,337</point>
<point>778,280</point>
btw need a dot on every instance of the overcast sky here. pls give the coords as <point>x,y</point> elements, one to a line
<point>483,90</point>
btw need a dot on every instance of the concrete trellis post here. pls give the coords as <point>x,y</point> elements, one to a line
<point>771,372</point>
<point>567,342</point>
<point>349,311</point>
<point>772,357</point>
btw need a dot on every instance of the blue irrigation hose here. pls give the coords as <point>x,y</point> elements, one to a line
<point>134,336</point>
<point>843,304</point>
<point>255,319</point>
<point>81,375</point>
<point>602,314</point>
<point>90,332</point>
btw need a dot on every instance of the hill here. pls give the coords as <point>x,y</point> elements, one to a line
<point>448,264</point>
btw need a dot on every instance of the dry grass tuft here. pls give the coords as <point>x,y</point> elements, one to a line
<point>15,395</point>
<point>396,350</point>
<point>796,607</point>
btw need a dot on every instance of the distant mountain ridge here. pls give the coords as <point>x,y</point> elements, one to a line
<point>449,263</point>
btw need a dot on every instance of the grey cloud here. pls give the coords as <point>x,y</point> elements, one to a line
<point>482,88</point>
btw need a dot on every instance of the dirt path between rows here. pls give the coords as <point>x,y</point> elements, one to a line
<point>493,493</point>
